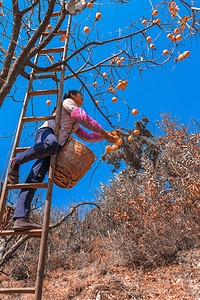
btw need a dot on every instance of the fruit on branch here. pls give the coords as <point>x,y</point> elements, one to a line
<point>136,132</point>
<point>181,57</point>
<point>134,111</point>
<point>122,58</point>
<point>140,69</point>
<point>152,46</point>
<point>114,99</point>
<point>173,39</point>
<point>119,141</point>
<point>48,102</point>
<point>155,12</point>
<point>165,52</point>
<point>125,82</point>
<point>130,138</point>
<point>169,36</point>
<point>104,75</point>
<point>97,102</point>
<point>95,83</point>
<point>158,21</point>
<point>186,53</point>
<point>148,39</point>
<point>86,29</point>
<point>98,15</point>
<point>179,37</point>
<point>115,147</point>
<point>176,30</point>
<point>108,149</point>
<point>144,22</point>
<point>90,5</point>
<point>118,62</point>
<point>116,58</point>
<point>118,86</point>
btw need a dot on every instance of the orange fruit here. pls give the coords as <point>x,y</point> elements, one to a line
<point>119,141</point>
<point>118,62</point>
<point>165,52</point>
<point>123,59</point>
<point>120,81</point>
<point>130,138</point>
<point>152,46</point>
<point>98,15</point>
<point>144,22</point>
<point>158,21</point>
<point>86,29</point>
<point>90,5</point>
<point>148,39</point>
<point>108,149</point>
<point>118,86</point>
<point>95,83</point>
<point>114,99</point>
<point>123,86</point>
<point>186,53</point>
<point>125,82</point>
<point>134,111</point>
<point>116,58</point>
<point>113,91</point>
<point>105,75</point>
<point>48,102</point>
<point>179,37</point>
<point>155,12</point>
<point>176,31</point>
<point>97,102</point>
<point>114,132</point>
<point>169,36</point>
<point>181,57</point>
<point>115,147</point>
<point>136,132</point>
<point>173,38</point>
<point>140,69</point>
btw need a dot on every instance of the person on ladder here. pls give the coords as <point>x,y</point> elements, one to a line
<point>46,144</point>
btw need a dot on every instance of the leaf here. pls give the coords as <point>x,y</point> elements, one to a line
<point>183,21</point>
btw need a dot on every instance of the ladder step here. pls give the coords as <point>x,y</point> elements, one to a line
<point>42,185</point>
<point>38,119</point>
<point>59,32</point>
<point>58,69</point>
<point>52,50</point>
<point>28,290</point>
<point>21,149</point>
<point>56,14</point>
<point>43,92</point>
<point>24,232</point>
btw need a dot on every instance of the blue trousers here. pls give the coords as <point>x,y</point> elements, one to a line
<point>45,145</point>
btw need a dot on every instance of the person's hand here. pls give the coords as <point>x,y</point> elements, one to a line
<point>109,136</point>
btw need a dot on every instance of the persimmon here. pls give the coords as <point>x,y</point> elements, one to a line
<point>179,37</point>
<point>152,46</point>
<point>123,58</point>
<point>90,5</point>
<point>158,21</point>
<point>155,12</point>
<point>125,82</point>
<point>104,75</point>
<point>173,39</point>
<point>86,29</point>
<point>144,22</point>
<point>136,132</point>
<point>120,81</point>
<point>118,62</point>
<point>176,30</point>
<point>95,83</point>
<point>116,58</point>
<point>181,57</point>
<point>119,141</point>
<point>48,102</point>
<point>97,102</point>
<point>165,52</point>
<point>169,36</point>
<point>114,99</point>
<point>115,147</point>
<point>108,148</point>
<point>113,91</point>
<point>98,15</point>
<point>123,86</point>
<point>135,111</point>
<point>114,132</point>
<point>118,86</point>
<point>140,69</point>
<point>186,53</point>
<point>148,39</point>
<point>130,138</point>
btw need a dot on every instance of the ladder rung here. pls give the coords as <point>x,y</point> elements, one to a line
<point>28,290</point>
<point>52,50</point>
<point>58,69</point>
<point>43,92</point>
<point>59,32</point>
<point>24,232</point>
<point>37,119</point>
<point>21,149</point>
<point>56,14</point>
<point>42,185</point>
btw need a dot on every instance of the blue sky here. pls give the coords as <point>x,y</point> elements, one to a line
<point>161,89</point>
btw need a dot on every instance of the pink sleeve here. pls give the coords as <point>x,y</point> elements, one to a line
<point>88,137</point>
<point>80,116</point>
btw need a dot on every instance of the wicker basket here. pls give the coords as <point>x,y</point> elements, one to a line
<point>73,161</point>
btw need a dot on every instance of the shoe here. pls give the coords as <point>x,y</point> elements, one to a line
<point>13,172</point>
<point>25,224</point>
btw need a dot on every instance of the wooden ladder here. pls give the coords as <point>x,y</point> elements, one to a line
<point>43,233</point>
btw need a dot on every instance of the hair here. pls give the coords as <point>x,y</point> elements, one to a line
<point>66,95</point>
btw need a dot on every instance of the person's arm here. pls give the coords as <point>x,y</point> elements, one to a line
<point>80,116</point>
<point>88,136</point>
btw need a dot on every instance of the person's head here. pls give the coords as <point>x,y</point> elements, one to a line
<point>75,95</point>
